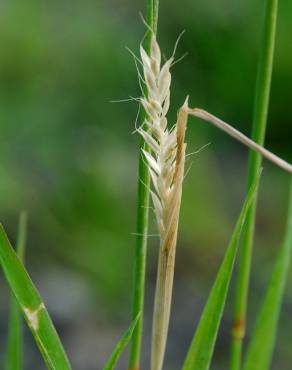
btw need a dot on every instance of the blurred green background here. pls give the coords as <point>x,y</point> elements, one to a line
<point>68,156</point>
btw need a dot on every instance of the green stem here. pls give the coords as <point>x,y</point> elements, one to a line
<point>142,218</point>
<point>155,15</point>
<point>262,94</point>
<point>14,346</point>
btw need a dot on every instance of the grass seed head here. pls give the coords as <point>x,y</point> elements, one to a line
<point>163,142</point>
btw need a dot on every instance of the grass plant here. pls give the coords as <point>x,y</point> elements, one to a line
<point>166,167</point>
<point>162,154</point>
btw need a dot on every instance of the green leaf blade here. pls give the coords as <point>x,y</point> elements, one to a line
<point>32,306</point>
<point>260,114</point>
<point>120,346</point>
<point>202,347</point>
<point>262,342</point>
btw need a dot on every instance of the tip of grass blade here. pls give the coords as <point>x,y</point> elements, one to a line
<point>121,345</point>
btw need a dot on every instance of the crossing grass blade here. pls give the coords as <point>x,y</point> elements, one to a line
<point>32,307</point>
<point>14,343</point>
<point>120,346</point>
<point>263,338</point>
<point>201,350</point>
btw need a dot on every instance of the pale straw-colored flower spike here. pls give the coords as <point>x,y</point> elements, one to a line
<point>166,166</point>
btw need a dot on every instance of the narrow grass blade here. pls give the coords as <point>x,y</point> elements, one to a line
<point>32,307</point>
<point>263,338</point>
<point>201,350</point>
<point>260,113</point>
<point>14,343</point>
<point>120,346</point>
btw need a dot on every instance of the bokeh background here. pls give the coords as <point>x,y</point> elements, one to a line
<point>68,156</point>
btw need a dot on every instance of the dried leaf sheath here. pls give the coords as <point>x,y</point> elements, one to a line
<point>166,166</point>
<point>166,262</point>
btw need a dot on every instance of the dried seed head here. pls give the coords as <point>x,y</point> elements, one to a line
<point>163,142</point>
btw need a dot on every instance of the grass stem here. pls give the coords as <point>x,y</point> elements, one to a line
<point>262,94</point>
<point>142,218</point>
<point>14,345</point>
